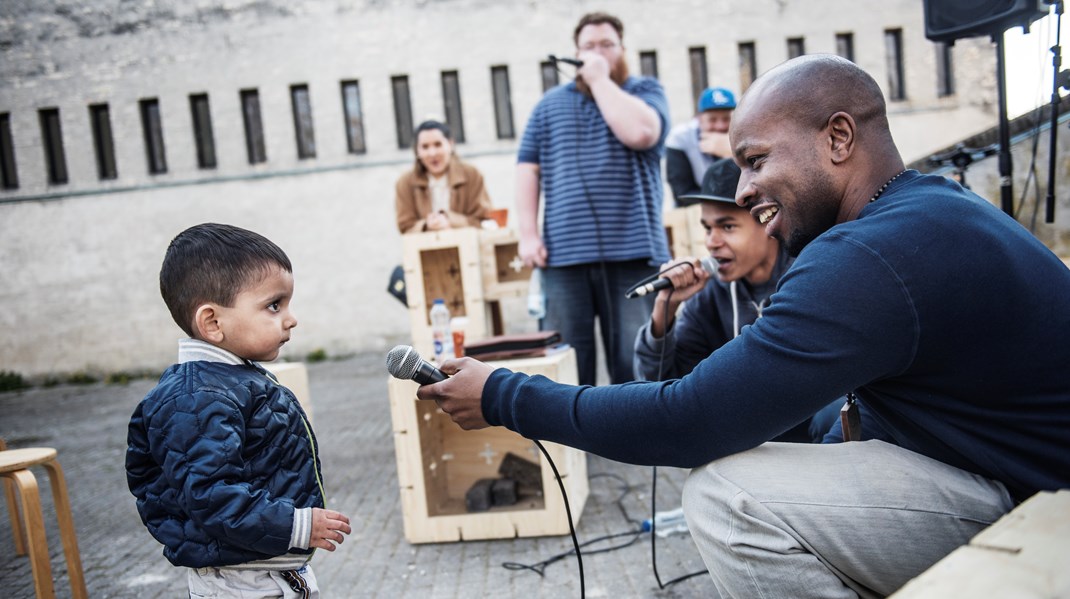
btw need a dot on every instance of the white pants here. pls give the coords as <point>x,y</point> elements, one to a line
<point>839,520</point>
<point>213,583</point>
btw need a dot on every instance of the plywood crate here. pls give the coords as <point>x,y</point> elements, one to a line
<point>438,462</point>
<point>443,264</point>
<point>504,273</point>
<point>683,228</point>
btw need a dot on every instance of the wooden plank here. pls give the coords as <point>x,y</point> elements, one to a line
<point>504,273</point>
<point>1022,555</point>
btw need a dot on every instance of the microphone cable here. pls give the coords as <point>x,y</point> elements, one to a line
<point>606,326</point>
<point>654,471</point>
<point>571,529</point>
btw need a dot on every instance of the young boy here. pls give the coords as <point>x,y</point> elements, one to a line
<point>221,457</point>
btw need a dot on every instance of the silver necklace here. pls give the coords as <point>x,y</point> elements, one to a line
<point>885,186</point>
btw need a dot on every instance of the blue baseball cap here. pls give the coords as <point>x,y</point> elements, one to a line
<point>716,98</point>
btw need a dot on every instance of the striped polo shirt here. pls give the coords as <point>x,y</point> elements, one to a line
<point>590,179</point>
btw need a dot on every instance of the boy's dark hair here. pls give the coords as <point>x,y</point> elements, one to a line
<point>598,18</point>
<point>213,263</point>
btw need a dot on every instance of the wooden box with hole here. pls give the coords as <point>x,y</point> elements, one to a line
<point>444,264</point>
<point>439,464</point>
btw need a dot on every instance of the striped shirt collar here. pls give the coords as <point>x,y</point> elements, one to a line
<point>193,350</point>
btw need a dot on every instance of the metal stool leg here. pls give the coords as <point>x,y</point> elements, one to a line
<point>35,532</point>
<point>66,529</point>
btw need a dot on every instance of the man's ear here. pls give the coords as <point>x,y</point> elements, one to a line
<point>206,323</point>
<point>841,136</point>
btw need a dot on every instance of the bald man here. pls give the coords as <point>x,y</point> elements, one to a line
<point>940,313</point>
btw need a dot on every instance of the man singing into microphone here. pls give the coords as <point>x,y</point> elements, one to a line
<point>593,148</point>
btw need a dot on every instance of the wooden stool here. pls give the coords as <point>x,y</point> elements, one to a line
<point>14,467</point>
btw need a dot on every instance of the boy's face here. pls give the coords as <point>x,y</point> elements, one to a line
<point>738,243</point>
<point>259,322</point>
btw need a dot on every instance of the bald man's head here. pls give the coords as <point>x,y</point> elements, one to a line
<point>812,140</point>
<point>810,89</point>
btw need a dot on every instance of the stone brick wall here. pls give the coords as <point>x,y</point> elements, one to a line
<point>79,260</point>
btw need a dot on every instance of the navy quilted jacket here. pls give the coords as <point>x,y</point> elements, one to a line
<point>219,456</point>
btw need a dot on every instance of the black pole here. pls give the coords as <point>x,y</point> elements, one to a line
<point>1006,185</point>
<point>1056,62</point>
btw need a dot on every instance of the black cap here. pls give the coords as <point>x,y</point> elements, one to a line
<point>719,183</point>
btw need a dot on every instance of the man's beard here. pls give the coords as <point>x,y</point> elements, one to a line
<point>815,211</point>
<point>619,74</point>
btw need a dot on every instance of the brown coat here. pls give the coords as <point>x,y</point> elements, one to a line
<point>469,202</point>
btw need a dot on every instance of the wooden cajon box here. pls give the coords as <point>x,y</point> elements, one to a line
<point>504,273</point>
<point>683,228</point>
<point>438,462</point>
<point>443,264</point>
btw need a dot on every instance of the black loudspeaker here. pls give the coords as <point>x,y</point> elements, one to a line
<point>950,20</point>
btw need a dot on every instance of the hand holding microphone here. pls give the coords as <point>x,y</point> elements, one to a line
<point>461,397</point>
<point>709,264</point>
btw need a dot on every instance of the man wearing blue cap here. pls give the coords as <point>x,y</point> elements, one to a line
<point>693,147</point>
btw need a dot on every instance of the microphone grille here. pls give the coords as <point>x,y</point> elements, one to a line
<point>709,264</point>
<point>402,361</point>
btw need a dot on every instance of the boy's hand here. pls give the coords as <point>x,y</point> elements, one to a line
<point>328,528</point>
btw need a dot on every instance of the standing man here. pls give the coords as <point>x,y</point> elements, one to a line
<point>693,147</point>
<point>899,295</point>
<point>593,148</point>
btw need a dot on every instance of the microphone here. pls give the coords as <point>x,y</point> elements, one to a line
<point>709,264</point>
<point>572,61</point>
<point>404,363</point>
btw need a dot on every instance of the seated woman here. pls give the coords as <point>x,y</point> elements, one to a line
<point>441,191</point>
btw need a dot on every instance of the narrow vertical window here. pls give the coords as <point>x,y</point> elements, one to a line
<point>748,65</point>
<point>202,130</point>
<point>845,45</point>
<point>503,103</point>
<point>402,110</point>
<point>9,177</point>
<point>796,47</point>
<point>354,117</point>
<point>550,77</point>
<point>893,52</point>
<point>945,74</point>
<point>53,144</point>
<point>697,60</point>
<point>254,126</point>
<point>451,99</point>
<point>152,130</point>
<point>648,64</point>
<point>103,143</point>
<point>303,130</point>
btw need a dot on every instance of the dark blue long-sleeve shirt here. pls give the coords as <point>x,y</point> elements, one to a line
<point>946,316</point>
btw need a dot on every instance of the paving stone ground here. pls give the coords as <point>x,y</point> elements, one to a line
<point>87,425</point>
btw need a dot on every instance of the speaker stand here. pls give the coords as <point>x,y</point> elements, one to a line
<point>1006,184</point>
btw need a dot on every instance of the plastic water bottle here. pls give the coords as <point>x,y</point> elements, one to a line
<point>536,296</point>
<point>440,331</point>
<point>667,523</point>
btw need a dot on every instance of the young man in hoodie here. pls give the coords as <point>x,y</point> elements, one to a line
<point>749,265</point>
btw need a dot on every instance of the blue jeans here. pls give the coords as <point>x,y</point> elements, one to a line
<point>576,295</point>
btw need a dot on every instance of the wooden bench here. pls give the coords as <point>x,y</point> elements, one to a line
<point>1026,553</point>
